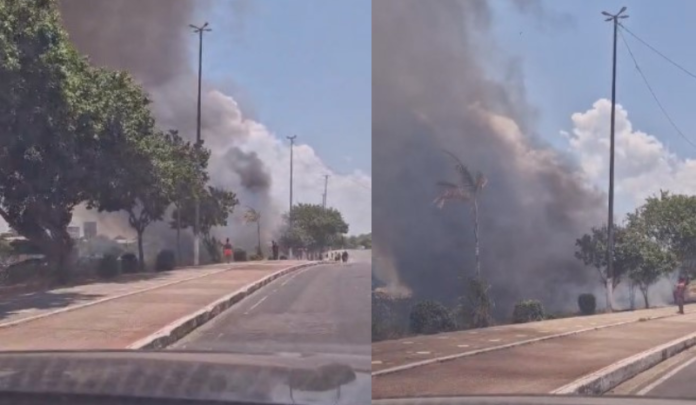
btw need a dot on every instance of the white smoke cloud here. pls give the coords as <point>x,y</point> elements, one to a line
<point>349,193</point>
<point>643,164</point>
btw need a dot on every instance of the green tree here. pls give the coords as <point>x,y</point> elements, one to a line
<point>591,249</point>
<point>216,205</point>
<point>670,220</point>
<point>649,259</point>
<point>145,188</point>
<point>63,127</point>
<point>189,177</point>
<point>313,227</point>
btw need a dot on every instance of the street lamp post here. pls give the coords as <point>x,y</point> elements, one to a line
<point>292,144</point>
<point>610,221</point>
<point>196,227</point>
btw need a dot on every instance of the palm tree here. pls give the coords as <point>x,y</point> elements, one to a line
<point>253,216</point>
<point>467,190</point>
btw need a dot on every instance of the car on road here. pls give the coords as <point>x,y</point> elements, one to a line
<point>127,377</point>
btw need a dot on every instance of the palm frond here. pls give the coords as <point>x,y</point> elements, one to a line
<point>450,193</point>
<point>467,179</point>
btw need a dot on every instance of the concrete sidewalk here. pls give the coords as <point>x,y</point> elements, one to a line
<point>116,314</point>
<point>534,368</point>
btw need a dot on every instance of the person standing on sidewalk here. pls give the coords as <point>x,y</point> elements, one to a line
<point>680,293</point>
<point>227,250</point>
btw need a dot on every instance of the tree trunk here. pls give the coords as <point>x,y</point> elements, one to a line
<point>632,296</point>
<point>58,254</point>
<point>141,253</point>
<point>476,237</point>
<point>644,291</point>
<point>609,288</point>
<point>178,234</point>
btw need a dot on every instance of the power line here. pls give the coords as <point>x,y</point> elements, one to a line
<point>652,48</point>
<point>652,92</point>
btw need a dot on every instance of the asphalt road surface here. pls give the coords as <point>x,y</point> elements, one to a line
<point>323,309</point>
<point>674,378</point>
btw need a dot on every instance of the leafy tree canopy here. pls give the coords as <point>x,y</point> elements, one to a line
<point>65,127</point>
<point>216,205</point>
<point>313,227</point>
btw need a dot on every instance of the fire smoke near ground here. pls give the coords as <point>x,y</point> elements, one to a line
<point>434,91</point>
<point>150,39</point>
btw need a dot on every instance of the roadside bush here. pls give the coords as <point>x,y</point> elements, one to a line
<point>587,304</point>
<point>240,255</point>
<point>256,257</point>
<point>108,267</point>
<point>528,311</point>
<point>429,317</point>
<point>283,258</point>
<point>129,263</point>
<point>166,260</point>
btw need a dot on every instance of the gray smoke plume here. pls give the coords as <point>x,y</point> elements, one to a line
<point>434,90</point>
<point>152,40</point>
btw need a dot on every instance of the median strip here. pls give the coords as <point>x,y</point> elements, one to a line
<point>187,324</point>
<point>507,346</point>
<point>107,299</point>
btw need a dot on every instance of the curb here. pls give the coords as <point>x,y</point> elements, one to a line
<point>183,326</point>
<point>107,299</point>
<point>601,381</point>
<point>451,357</point>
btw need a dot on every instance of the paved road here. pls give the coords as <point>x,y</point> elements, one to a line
<point>320,310</point>
<point>673,378</point>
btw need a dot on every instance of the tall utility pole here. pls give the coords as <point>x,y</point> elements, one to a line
<point>326,189</point>
<point>292,144</point>
<point>197,225</point>
<point>610,220</point>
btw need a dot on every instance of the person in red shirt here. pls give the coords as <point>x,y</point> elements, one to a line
<point>227,250</point>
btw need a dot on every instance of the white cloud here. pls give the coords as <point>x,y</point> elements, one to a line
<point>643,164</point>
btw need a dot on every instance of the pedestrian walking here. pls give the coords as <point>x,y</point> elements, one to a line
<point>680,293</point>
<point>345,256</point>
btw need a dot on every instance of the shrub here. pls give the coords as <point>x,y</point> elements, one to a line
<point>587,304</point>
<point>256,257</point>
<point>528,311</point>
<point>428,317</point>
<point>166,260</point>
<point>108,266</point>
<point>129,263</point>
<point>240,255</point>
<point>283,258</point>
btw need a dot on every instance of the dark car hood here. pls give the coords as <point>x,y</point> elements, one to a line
<point>191,375</point>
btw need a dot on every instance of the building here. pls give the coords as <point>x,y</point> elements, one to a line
<point>74,232</point>
<point>90,229</point>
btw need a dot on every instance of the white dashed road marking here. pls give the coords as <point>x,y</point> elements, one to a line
<point>256,305</point>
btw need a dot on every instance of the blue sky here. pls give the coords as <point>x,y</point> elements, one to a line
<point>568,67</point>
<point>304,68</point>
